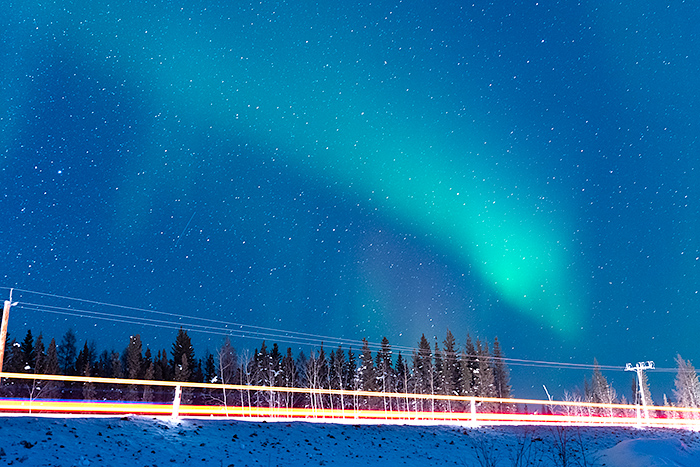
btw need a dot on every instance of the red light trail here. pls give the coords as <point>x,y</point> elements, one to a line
<point>563,412</point>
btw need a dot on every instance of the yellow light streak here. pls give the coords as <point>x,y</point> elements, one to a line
<point>281,413</point>
<point>34,405</point>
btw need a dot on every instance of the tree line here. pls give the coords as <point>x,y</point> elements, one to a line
<point>447,369</point>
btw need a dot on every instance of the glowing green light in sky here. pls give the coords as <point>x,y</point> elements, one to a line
<point>343,112</point>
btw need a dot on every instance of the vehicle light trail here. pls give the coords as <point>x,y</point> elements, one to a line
<point>500,411</point>
<point>79,408</point>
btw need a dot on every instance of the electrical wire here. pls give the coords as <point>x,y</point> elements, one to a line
<point>318,337</point>
<point>247,331</point>
<point>168,325</point>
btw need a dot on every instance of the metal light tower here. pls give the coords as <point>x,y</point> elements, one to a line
<point>639,368</point>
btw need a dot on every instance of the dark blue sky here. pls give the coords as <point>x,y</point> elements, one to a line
<point>524,170</point>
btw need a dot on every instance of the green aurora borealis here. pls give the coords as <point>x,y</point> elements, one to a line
<point>360,170</point>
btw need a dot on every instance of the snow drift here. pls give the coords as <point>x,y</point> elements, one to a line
<point>147,441</point>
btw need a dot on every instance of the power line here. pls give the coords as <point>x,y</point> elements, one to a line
<point>224,331</point>
<point>318,337</point>
<point>247,331</point>
<point>259,335</point>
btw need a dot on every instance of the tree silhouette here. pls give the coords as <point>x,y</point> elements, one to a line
<point>183,356</point>
<point>67,353</point>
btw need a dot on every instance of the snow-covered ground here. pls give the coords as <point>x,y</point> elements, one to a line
<point>148,441</point>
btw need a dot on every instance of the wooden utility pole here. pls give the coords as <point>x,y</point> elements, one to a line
<point>3,329</point>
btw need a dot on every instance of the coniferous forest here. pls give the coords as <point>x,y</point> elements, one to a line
<point>473,370</point>
<point>448,369</point>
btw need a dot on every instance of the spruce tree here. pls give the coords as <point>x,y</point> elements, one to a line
<point>83,360</point>
<point>417,387</point>
<point>50,389</point>
<point>163,367</point>
<point>116,365</point>
<point>384,372</point>
<point>350,369</point>
<point>600,391</point>
<point>290,377</point>
<point>182,371</point>
<point>468,366</point>
<point>116,370</point>
<point>67,353</point>
<point>88,389</point>
<point>687,385</point>
<point>226,362</point>
<point>27,353</point>
<point>450,363</point>
<point>134,358</point>
<point>183,346</point>
<point>146,362</point>
<point>157,368</point>
<point>366,370</point>
<point>40,353</point>
<point>401,373</point>
<point>322,363</point>
<point>403,379</point>
<point>438,370</point>
<point>134,363</point>
<point>500,371</point>
<point>424,372</point>
<point>423,367</point>
<point>645,388</point>
<point>265,374</point>
<point>332,378</point>
<point>260,364</point>
<point>485,383</point>
<point>384,367</point>
<point>210,375</point>
<point>197,372</point>
<point>339,372</point>
<point>312,378</point>
<point>14,358</point>
<point>103,364</point>
<point>301,363</point>
<point>148,374</point>
<point>52,366</point>
<point>275,362</point>
<point>289,370</point>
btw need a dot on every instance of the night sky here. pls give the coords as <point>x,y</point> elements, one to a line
<point>357,170</point>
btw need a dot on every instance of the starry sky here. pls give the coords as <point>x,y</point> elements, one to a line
<point>525,170</point>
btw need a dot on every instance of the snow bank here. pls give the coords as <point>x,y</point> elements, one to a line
<point>146,441</point>
<point>651,453</point>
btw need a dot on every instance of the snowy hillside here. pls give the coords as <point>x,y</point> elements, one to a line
<point>145,441</point>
